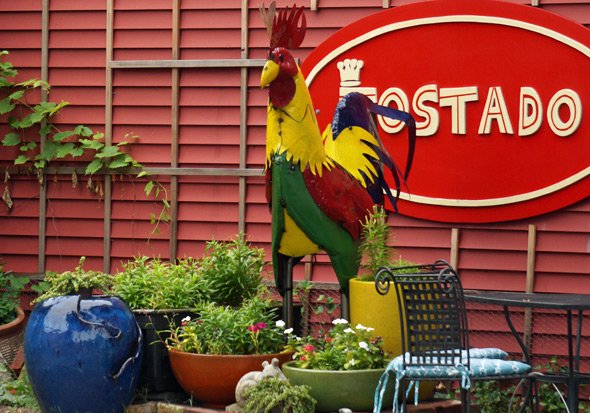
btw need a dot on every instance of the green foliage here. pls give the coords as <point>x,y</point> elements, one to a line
<point>551,397</point>
<point>74,282</point>
<point>17,392</point>
<point>40,142</point>
<point>153,284</point>
<point>231,271</point>
<point>248,329</point>
<point>373,248</point>
<point>280,395</point>
<point>493,398</point>
<point>325,304</point>
<point>10,289</point>
<point>343,348</point>
<point>29,122</point>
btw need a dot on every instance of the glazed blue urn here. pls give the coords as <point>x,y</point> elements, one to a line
<point>83,354</point>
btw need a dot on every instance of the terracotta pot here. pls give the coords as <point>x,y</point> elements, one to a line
<point>212,379</point>
<point>11,336</point>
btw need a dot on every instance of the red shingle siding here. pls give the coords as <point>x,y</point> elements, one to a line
<point>490,256</point>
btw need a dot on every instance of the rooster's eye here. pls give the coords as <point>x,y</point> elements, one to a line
<point>281,58</point>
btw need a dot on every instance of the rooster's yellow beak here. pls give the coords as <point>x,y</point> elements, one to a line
<point>269,73</point>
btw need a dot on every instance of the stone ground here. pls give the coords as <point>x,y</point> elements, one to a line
<point>443,406</point>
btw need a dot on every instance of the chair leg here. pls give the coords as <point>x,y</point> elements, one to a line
<point>464,400</point>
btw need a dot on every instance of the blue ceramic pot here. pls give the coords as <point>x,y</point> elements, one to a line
<point>83,354</point>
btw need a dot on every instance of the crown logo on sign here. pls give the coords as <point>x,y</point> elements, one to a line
<point>350,72</point>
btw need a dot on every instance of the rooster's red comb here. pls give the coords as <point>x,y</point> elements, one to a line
<point>284,29</point>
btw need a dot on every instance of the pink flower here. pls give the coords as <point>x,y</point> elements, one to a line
<point>308,348</point>
<point>255,328</point>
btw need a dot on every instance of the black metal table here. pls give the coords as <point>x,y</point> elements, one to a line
<point>570,303</point>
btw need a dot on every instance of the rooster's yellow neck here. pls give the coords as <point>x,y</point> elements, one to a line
<point>294,129</point>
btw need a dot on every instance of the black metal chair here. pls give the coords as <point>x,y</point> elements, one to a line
<point>435,336</point>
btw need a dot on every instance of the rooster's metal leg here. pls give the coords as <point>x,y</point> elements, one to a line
<point>344,308</point>
<point>288,293</point>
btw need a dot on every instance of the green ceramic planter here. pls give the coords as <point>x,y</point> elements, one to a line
<point>334,389</point>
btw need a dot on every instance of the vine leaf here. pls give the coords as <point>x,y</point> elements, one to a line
<point>6,197</point>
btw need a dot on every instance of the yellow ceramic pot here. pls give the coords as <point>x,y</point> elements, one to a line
<point>381,312</point>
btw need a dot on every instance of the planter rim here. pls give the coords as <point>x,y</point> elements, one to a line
<point>20,316</point>
<point>290,365</point>
<point>358,280</point>
<point>148,311</point>
<point>188,354</point>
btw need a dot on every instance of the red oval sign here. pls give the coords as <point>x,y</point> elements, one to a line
<point>498,91</point>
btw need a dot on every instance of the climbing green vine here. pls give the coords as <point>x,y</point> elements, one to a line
<point>40,142</point>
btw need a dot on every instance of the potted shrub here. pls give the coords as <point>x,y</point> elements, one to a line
<point>12,316</point>
<point>159,292</point>
<point>367,306</point>
<point>82,351</point>
<point>231,272</point>
<point>210,354</point>
<point>274,395</point>
<point>162,293</point>
<point>342,367</point>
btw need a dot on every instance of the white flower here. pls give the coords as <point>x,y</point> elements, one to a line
<point>280,324</point>
<point>349,330</point>
<point>364,345</point>
<point>340,321</point>
<point>186,319</point>
<point>288,331</point>
<point>352,362</point>
<point>362,327</point>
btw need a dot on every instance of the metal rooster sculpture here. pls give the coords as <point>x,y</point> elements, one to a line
<point>319,187</point>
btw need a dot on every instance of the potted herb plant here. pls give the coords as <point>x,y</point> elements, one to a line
<point>159,293</point>
<point>82,351</point>
<point>12,316</point>
<point>367,306</point>
<point>210,354</point>
<point>162,293</point>
<point>273,395</point>
<point>342,367</point>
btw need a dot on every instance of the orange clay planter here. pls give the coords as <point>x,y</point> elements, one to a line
<point>211,379</point>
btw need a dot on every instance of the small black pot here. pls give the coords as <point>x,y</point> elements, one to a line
<point>156,377</point>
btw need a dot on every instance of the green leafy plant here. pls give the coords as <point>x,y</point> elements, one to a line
<point>248,329</point>
<point>10,290</point>
<point>78,281</point>
<point>552,396</point>
<point>154,284</point>
<point>493,397</point>
<point>231,271</point>
<point>344,347</point>
<point>18,392</point>
<point>373,248</point>
<point>40,142</point>
<point>275,395</point>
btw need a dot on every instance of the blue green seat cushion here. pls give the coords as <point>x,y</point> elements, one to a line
<point>485,367</point>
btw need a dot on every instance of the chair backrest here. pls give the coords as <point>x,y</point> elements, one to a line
<point>432,313</point>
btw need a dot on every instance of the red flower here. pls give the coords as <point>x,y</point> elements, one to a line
<point>255,328</point>
<point>309,348</point>
<point>329,339</point>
